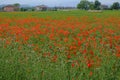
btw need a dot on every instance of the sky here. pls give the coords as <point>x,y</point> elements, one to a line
<point>53,3</point>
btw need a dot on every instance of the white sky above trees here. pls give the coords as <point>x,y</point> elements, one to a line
<point>53,2</point>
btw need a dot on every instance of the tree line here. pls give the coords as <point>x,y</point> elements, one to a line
<point>96,5</point>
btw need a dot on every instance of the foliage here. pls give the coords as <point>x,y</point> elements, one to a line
<point>91,5</point>
<point>116,5</point>
<point>27,9</point>
<point>97,5</point>
<point>84,4</point>
<point>23,9</point>
<point>17,5</point>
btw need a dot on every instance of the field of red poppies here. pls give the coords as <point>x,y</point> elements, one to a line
<point>73,45</point>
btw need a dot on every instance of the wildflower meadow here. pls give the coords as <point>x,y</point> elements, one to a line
<point>62,45</point>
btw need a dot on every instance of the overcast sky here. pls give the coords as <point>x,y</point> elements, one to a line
<point>53,2</point>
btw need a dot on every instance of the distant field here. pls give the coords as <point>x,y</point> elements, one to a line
<point>57,14</point>
<point>60,45</point>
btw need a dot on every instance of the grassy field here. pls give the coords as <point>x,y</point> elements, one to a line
<point>62,45</point>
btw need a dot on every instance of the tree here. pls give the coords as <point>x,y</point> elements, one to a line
<point>17,5</point>
<point>91,5</point>
<point>84,4</point>
<point>116,5</point>
<point>97,5</point>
